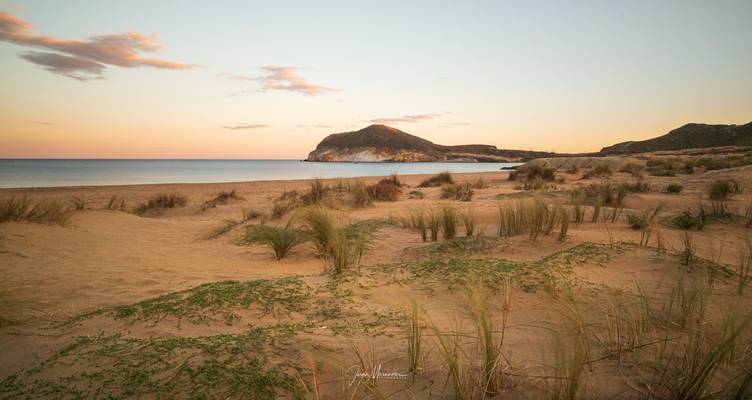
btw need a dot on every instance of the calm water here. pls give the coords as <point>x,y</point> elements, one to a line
<point>41,173</point>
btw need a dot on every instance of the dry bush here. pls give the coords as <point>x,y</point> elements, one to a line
<point>461,192</point>
<point>222,198</point>
<point>384,191</point>
<point>21,209</point>
<point>438,180</point>
<point>161,202</point>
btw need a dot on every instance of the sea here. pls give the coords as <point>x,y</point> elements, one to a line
<point>27,173</point>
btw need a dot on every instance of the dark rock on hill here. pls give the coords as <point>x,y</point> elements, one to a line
<point>689,136</point>
<point>379,143</point>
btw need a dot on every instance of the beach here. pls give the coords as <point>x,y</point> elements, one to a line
<point>60,282</point>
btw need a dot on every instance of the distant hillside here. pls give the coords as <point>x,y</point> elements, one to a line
<point>379,143</point>
<point>689,136</point>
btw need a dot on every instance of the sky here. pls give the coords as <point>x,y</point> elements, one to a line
<point>269,80</point>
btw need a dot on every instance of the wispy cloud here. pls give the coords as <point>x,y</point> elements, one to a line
<point>323,126</point>
<point>84,59</point>
<point>47,123</point>
<point>246,126</point>
<point>284,78</point>
<point>405,118</point>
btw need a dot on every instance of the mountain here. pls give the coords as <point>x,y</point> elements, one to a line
<point>381,143</point>
<point>689,136</point>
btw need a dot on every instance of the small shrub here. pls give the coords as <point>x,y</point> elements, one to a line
<point>686,221</point>
<point>638,186</point>
<point>161,202</point>
<point>479,183</point>
<point>601,170</point>
<point>361,196</point>
<point>415,194</point>
<point>457,192</point>
<point>280,239</point>
<point>438,180</point>
<point>674,188</point>
<point>535,184</point>
<point>605,194</point>
<point>221,199</point>
<point>723,189</point>
<point>633,169</point>
<point>78,202</point>
<point>384,191</point>
<point>392,179</point>
<point>116,203</point>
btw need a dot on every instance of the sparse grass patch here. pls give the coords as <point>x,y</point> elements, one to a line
<point>361,196</point>
<point>116,203</point>
<point>687,221</point>
<point>222,198</point>
<point>605,194</point>
<point>78,202</point>
<point>634,169</point>
<point>288,200</point>
<point>158,203</point>
<point>441,179</point>
<point>638,186</point>
<point>221,230</point>
<point>340,247</point>
<point>280,239</point>
<point>21,209</point>
<point>115,366</point>
<point>674,188</point>
<point>461,192</point>
<point>415,194</point>
<point>599,171</point>
<point>723,189</point>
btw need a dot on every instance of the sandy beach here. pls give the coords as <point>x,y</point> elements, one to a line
<point>62,282</point>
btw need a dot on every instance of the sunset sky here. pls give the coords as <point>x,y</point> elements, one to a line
<point>239,79</point>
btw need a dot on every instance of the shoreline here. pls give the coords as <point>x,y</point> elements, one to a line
<point>225,183</point>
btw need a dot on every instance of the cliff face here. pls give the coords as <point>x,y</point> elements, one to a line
<point>380,143</point>
<point>689,136</point>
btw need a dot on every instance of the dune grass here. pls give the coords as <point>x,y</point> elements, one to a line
<point>21,209</point>
<point>723,189</point>
<point>222,198</point>
<point>116,203</point>
<point>281,239</point>
<point>450,219</point>
<point>161,202</point>
<point>440,179</point>
<point>78,202</point>
<point>340,247</point>
<point>674,188</point>
<point>462,192</point>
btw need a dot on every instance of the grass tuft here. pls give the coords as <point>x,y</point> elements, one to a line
<point>280,239</point>
<point>21,209</point>
<point>440,179</point>
<point>158,203</point>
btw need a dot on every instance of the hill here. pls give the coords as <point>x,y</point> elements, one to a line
<point>379,143</point>
<point>689,136</point>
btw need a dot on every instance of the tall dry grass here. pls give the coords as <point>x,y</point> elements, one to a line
<point>21,209</point>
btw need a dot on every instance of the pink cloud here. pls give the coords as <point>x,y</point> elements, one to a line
<point>285,78</point>
<point>84,59</point>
